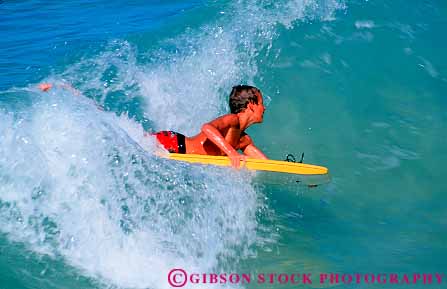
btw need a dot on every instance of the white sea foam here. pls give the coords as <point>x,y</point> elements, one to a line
<point>364,24</point>
<point>187,83</point>
<point>185,89</point>
<point>428,67</point>
<point>75,184</point>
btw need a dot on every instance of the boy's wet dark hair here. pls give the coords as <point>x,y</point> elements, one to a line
<point>241,96</point>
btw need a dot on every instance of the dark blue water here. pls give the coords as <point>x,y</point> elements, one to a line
<point>40,36</point>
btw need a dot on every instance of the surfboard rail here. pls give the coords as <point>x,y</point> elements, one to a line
<point>253,164</point>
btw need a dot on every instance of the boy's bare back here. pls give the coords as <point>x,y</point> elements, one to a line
<point>224,135</point>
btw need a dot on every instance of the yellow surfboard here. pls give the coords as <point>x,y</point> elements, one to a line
<point>253,164</point>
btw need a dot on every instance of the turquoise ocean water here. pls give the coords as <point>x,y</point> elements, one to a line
<point>358,86</point>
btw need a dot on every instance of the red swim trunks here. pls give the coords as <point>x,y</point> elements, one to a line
<point>172,141</point>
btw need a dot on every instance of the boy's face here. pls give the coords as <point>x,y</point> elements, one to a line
<point>258,109</point>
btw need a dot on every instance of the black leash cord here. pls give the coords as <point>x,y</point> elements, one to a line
<point>291,158</point>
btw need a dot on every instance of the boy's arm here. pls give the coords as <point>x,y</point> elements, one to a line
<point>212,131</point>
<point>253,152</point>
<point>250,149</point>
<point>47,86</point>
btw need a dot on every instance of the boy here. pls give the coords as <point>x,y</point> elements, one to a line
<point>224,135</point>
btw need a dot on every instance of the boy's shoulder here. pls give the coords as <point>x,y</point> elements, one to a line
<point>229,119</point>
